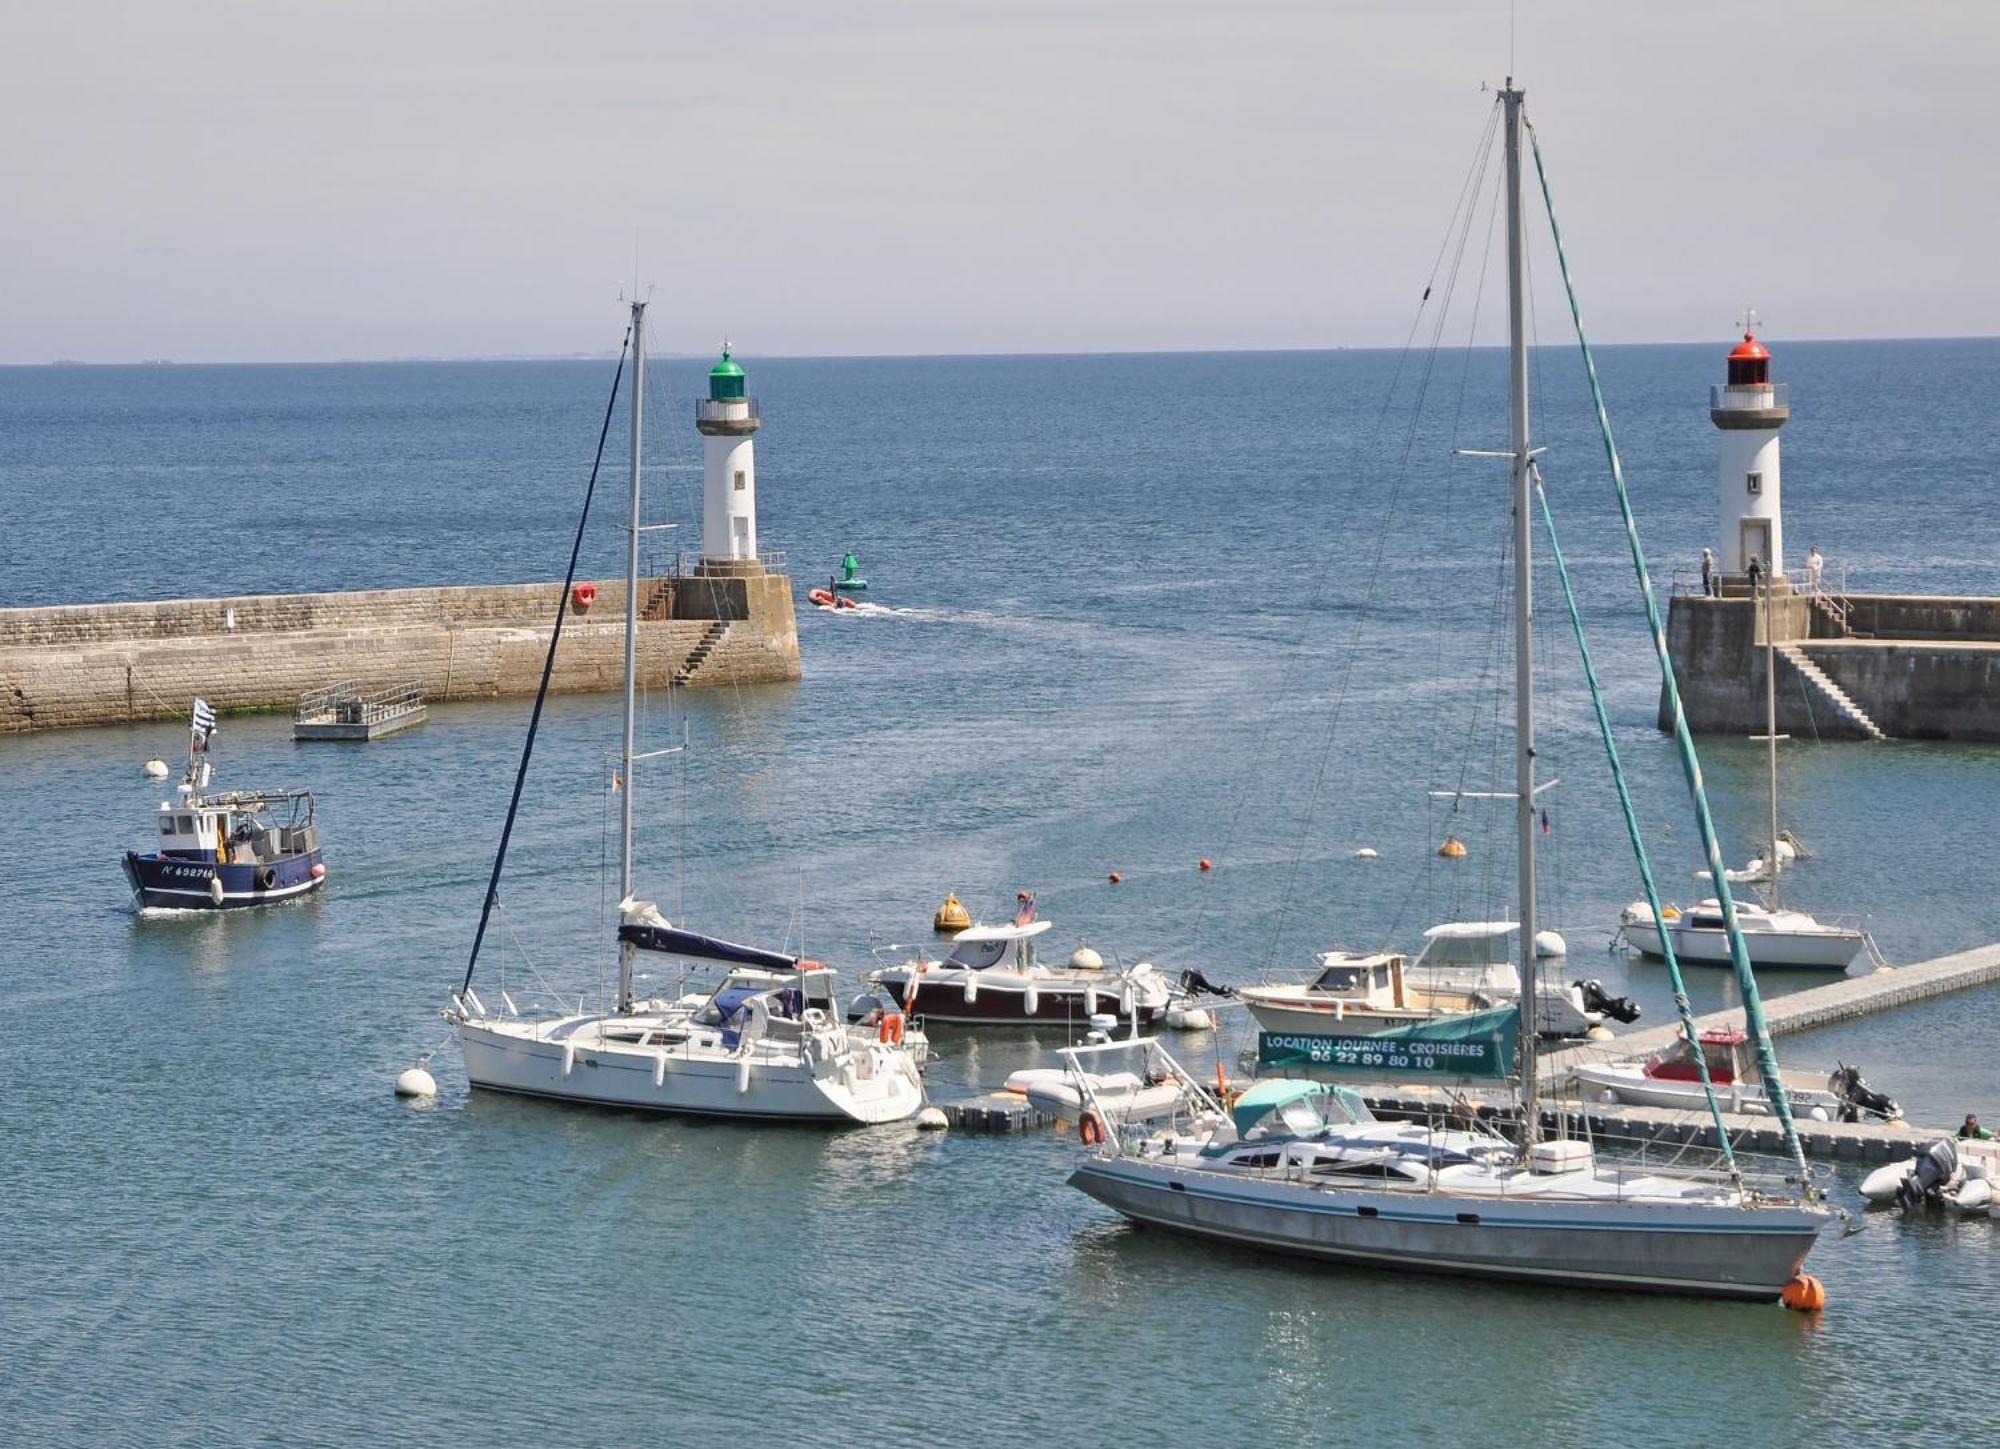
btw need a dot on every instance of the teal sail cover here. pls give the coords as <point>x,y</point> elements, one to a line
<point>1467,1044</point>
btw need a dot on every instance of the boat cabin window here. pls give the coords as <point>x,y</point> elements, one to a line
<point>166,825</point>
<point>1344,979</point>
<point>1380,1170</point>
<point>977,955</point>
<point>1257,1159</point>
<point>186,824</point>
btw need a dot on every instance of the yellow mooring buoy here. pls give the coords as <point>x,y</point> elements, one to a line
<point>1453,848</point>
<point>951,916</point>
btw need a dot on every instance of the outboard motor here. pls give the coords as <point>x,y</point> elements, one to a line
<point>1597,999</point>
<point>1196,984</point>
<point>1935,1167</point>
<point>1848,1084</point>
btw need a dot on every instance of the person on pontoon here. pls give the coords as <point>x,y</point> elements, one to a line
<point>1970,1128</point>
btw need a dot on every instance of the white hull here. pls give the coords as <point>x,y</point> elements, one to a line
<point>1830,949</point>
<point>1633,1087</point>
<point>1555,1015</point>
<point>1126,1097</point>
<point>567,1059</point>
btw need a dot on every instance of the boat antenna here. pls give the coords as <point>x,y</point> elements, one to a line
<point>548,668</point>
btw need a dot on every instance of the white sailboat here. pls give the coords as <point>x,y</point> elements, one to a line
<point>1302,1168</point>
<point>1778,939</point>
<point>767,1042</point>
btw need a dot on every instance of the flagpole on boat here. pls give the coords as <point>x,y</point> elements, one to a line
<point>1524,682</point>
<point>625,948</point>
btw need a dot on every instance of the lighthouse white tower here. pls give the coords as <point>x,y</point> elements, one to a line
<point>727,419</point>
<point>1749,410</point>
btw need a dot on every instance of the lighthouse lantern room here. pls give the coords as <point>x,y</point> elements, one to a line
<point>1749,409</point>
<point>727,420</point>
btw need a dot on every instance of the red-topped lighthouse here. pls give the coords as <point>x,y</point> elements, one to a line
<point>1749,409</point>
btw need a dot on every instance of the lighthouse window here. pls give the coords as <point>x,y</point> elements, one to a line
<point>742,481</point>
<point>1756,482</point>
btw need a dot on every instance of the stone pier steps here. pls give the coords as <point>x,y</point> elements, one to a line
<point>698,656</point>
<point>1821,681</point>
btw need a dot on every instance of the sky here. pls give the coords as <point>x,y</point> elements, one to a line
<point>306,180</point>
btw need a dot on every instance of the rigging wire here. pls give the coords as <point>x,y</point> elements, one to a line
<point>548,668</point>
<point>1253,765</point>
<point>1746,978</point>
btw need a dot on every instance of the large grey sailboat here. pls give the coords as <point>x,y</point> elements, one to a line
<point>1303,1167</point>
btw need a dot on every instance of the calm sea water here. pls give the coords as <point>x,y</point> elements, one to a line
<point>1143,610</point>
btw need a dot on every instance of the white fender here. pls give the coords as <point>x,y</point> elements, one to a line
<point>215,889</point>
<point>743,1074</point>
<point>971,987</point>
<point>1034,999</point>
<point>569,1057</point>
<point>1128,998</point>
<point>1089,1001</point>
<point>508,1001</point>
<point>1881,1184</point>
<point>466,998</point>
<point>1974,1195</point>
<point>660,1070</point>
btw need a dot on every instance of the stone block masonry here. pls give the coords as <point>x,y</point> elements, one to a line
<point>85,664</point>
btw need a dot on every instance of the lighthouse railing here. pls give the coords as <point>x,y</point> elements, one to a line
<point>725,410</point>
<point>1749,396</point>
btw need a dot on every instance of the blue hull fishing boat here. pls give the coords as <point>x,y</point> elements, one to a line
<point>227,850</point>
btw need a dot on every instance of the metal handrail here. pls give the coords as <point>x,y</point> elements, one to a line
<point>346,703</point>
<point>1748,397</point>
<point>723,409</point>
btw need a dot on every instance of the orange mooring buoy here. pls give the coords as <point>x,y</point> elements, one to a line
<point>1204,864</point>
<point>1116,877</point>
<point>1804,1294</point>
<point>1453,848</point>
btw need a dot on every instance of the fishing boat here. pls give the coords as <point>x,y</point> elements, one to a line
<point>225,850</point>
<point>767,1042</point>
<point>1672,1078</point>
<point>1302,1167</point>
<point>1463,966</point>
<point>991,977</point>
<point>1777,939</point>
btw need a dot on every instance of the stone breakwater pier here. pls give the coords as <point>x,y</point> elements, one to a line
<point>90,664</point>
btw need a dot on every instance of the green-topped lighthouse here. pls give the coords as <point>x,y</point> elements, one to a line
<point>727,418</point>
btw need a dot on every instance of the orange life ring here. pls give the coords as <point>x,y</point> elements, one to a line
<point>583,596</point>
<point>1091,1128</point>
<point>890,1033</point>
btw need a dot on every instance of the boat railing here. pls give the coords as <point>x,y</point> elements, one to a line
<point>1157,1061</point>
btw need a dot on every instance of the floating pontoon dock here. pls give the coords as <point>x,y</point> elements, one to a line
<point>351,710</point>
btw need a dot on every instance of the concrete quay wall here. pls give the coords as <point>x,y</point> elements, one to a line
<point>108,663</point>
<point>1931,671</point>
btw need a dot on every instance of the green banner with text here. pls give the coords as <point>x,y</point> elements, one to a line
<point>1471,1044</point>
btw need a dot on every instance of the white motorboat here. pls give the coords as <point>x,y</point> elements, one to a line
<point>1777,940</point>
<point>1672,1078</point>
<point>1464,966</point>
<point>767,1042</point>
<point>1305,1168</point>
<point>991,977</point>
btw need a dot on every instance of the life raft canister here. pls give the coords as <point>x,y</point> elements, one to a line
<point>583,596</point>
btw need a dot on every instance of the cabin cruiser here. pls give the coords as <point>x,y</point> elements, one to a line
<point>1781,940</point>
<point>1305,1167</point>
<point>991,977</point>
<point>765,1042</point>
<point>227,850</point>
<point>1464,966</point>
<point>1672,1078</point>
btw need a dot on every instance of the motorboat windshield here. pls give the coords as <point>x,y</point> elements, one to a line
<point>979,948</point>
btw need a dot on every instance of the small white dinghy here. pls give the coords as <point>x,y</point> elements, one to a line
<point>1957,1174</point>
<point>1125,1095</point>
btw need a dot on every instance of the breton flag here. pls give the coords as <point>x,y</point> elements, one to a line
<point>1024,908</point>
<point>203,720</point>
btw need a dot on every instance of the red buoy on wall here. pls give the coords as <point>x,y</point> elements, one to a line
<point>583,596</point>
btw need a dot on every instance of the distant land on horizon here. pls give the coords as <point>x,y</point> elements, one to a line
<point>607,354</point>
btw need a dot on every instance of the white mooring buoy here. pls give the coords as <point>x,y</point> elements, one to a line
<point>1550,943</point>
<point>1367,852</point>
<point>416,1082</point>
<point>932,1119</point>
<point>157,768</point>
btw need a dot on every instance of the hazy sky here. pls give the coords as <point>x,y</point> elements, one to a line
<point>279,179</point>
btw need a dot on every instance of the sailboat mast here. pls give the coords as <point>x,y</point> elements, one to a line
<point>1771,719</point>
<point>1524,680</point>
<point>625,950</point>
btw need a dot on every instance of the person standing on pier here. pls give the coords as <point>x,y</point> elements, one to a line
<point>1708,573</point>
<point>1815,562</point>
<point>1755,569</point>
<point>1970,1128</point>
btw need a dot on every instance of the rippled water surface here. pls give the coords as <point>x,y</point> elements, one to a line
<point>1137,611</point>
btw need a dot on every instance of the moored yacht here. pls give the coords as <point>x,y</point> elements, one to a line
<point>1777,940</point>
<point>767,1042</point>
<point>991,977</point>
<point>1673,1078</point>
